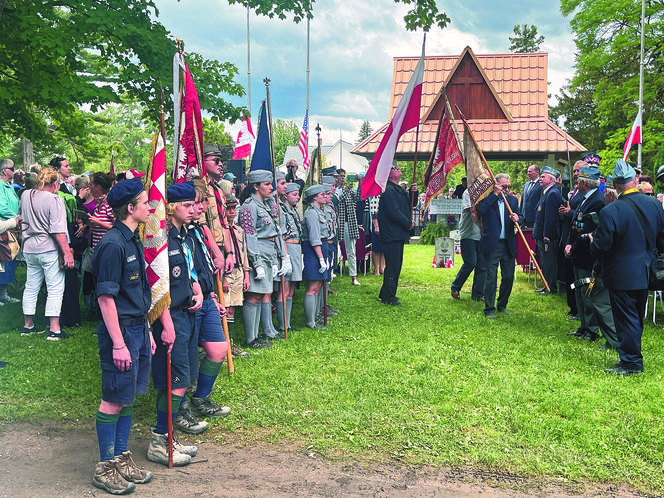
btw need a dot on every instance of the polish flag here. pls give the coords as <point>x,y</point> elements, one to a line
<point>634,135</point>
<point>405,117</point>
<point>245,139</point>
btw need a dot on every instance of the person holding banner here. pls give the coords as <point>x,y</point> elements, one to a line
<point>498,244</point>
<point>125,342</point>
<point>176,331</point>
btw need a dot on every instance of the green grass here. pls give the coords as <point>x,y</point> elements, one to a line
<point>432,382</point>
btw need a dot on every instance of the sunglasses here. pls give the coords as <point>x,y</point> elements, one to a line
<point>217,160</point>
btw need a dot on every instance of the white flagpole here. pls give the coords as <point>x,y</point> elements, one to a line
<point>643,23</point>
<point>248,67</point>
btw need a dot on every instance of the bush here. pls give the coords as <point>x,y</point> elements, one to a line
<point>434,230</point>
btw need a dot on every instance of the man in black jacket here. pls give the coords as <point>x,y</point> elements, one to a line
<point>394,222</point>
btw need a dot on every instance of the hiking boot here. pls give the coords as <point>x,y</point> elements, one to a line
<point>130,471</point>
<point>108,478</point>
<point>331,311</point>
<point>182,448</point>
<point>203,407</point>
<point>32,331</point>
<point>237,351</point>
<point>257,344</point>
<point>158,451</point>
<point>186,421</point>
<point>56,336</point>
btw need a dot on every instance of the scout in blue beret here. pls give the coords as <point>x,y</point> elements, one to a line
<point>125,343</point>
<point>186,300</point>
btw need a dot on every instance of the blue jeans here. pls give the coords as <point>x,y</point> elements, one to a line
<point>473,259</point>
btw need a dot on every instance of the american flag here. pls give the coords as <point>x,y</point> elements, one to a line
<point>304,141</point>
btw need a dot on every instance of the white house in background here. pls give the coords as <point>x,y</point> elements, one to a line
<point>338,155</point>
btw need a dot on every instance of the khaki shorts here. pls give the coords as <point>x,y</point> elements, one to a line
<point>234,296</point>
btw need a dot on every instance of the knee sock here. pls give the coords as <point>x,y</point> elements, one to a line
<point>249,317</point>
<point>105,424</point>
<point>207,374</point>
<point>230,321</point>
<point>122,429</point>
<point>280,315</point>
<point>289,307</point>
<point>162,410</point>
<point>266,319</point>
<point>310,309</point>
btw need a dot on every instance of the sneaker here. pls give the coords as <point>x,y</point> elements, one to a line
<point>355,282</point>
<point>6,298</point>
<point>186,421</point>
<point>203,407</point>
<point>158,450</point>
<point>130,471</point>
<point>56,336</point>
<point>237,351</point>
<point>32,331</point>
<point>108,478</point>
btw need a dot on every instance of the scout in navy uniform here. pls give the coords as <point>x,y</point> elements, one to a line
<point>175,329</point>
<point>265,248</point>
<point>125,343</point>
<point>315,235</point>
<point>627,228</point>
<point>208,318</point>
<point>291,229</point>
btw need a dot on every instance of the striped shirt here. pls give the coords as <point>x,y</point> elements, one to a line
<point>103,212</point>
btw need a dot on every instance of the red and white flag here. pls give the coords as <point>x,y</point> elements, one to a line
<point>304,141</point>
<point>446,156</point>
<point>406,116</point>
<point>188,154</point>
<point>245,139</point>
<point>634,135</point>
<point>155,235</point>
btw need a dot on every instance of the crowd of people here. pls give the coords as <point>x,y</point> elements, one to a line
<point>595,244</point>
<point>257,243</point>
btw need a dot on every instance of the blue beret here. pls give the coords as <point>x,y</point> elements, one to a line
<point>589,172</point>
<point>623,173</point>
<point>550,171</point>
<point>181,192</point>
<point>259,176</point>
<point>122,193</point>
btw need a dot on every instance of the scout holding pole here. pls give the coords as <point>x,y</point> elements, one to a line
<point>274,174</point>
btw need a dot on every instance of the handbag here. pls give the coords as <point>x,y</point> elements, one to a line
<point>656,274</point>
<point>86,264</point>
<point>9,246</point>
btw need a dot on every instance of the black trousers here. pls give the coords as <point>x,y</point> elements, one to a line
<point>393,252</point>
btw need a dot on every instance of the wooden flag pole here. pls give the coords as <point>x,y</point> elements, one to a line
<point>486,165</point>
<point>274,173</point>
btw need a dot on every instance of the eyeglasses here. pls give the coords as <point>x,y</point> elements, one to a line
<point>10,169</point>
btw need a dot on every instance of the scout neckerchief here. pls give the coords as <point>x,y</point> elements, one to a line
<point>206,253</point>
<point>189,258</point>
<point>236,248</point>
<point>220,203</point>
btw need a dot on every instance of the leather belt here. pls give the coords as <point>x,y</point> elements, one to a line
<point>291,241</point>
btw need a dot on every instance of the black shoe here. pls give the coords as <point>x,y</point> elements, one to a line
<point>258,344</point>
<point>504,311</point>
<point>392,303</point>
<point>490,315</point>
<point>574,319</point>
<point>622,371</point>
<point>578,332</point>
<point>589,336</point>
<point>606,347</point>
<point>541,289</point>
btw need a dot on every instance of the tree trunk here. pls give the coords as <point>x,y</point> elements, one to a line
<point>28,154</point>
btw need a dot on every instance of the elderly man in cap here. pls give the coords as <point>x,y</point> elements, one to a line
<point>125,342</point>
<point>630,229</point>
<point>8,209</point>
<point>546,231</point>
<point>592,297</point>
<point>291,175</point>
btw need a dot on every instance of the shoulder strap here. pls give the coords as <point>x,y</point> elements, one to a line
<point>642,221</point>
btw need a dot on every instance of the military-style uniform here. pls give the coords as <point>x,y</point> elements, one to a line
<point>184,355</point>
<point>315,232</point>
<point>291,229</point>
<point>234,297</point>
<point>332,242</point>
<point>217,193</point>
<point>118,267</point>
<point>264,242</point>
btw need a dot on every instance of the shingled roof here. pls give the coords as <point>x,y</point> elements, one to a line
<point>503,97</point>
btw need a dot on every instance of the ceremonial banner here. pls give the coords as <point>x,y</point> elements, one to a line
<point>155,235</point>
<point>634,135</point>
<point>188,153</point>
<point>304,141</point>
<point>445,157</point>
<point>245,139</point>
<point>406,116</point>
<point>480,182</point>
<point>262,158</point>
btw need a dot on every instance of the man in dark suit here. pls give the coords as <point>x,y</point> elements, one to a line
<point>532,191</point>
<point>627,227</point>
<point>593,301</point>
<point>498,244</point>
<point>546,231</point>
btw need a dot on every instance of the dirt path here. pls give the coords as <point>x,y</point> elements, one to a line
<point>46,460</point>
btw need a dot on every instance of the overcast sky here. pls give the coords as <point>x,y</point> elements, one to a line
<point>351,51</point>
